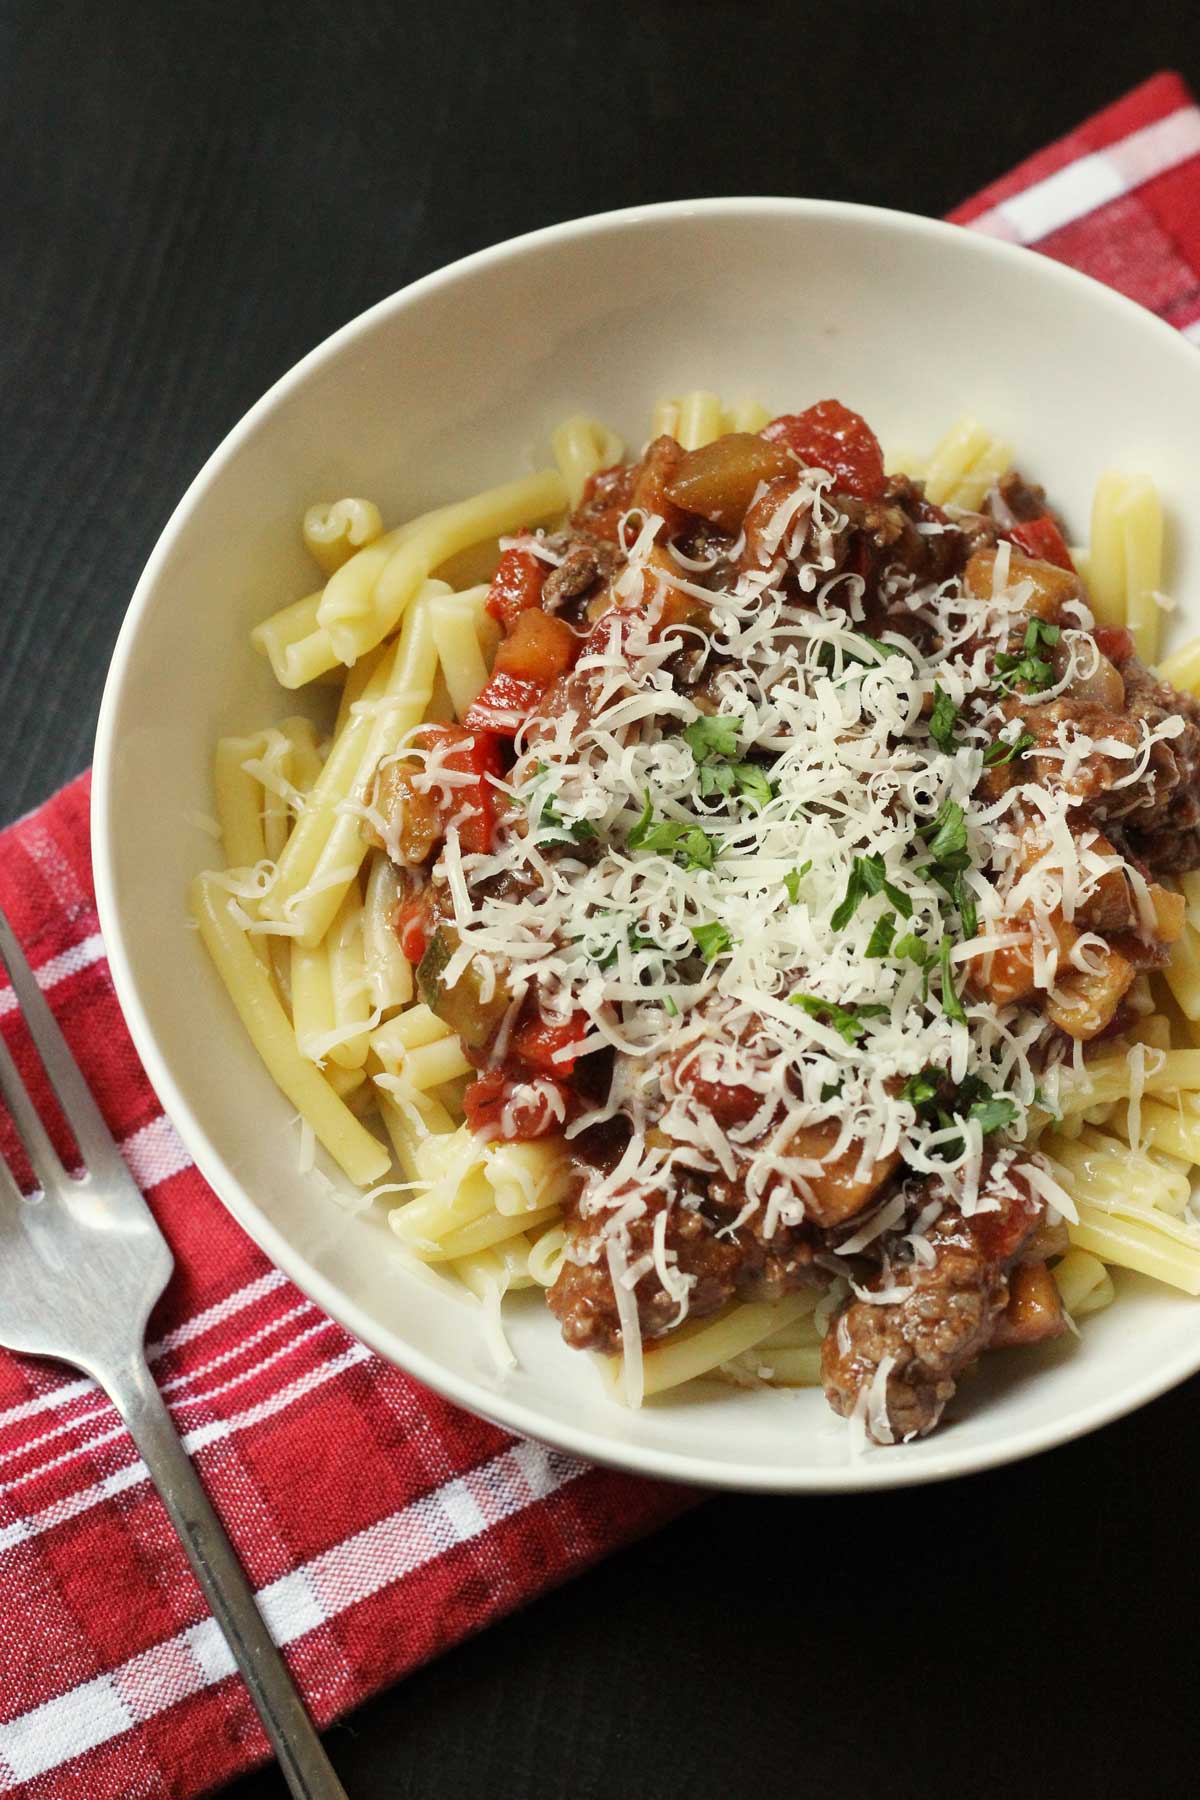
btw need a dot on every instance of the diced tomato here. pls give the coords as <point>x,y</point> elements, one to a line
<point>504,705</point>
<point>830,436</point>
<point>1042,538</point>
<point>516,585</point>
<point>412,930</point>
<point>531,1106</point>
<point>473,751</point>
<point>1114,642</point>
<point>538,1042</point>
<point>538,648</point>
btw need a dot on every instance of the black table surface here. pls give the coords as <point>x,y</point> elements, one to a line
<point>191,196</point>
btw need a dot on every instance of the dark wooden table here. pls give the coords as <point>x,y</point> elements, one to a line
<point>191,195</point>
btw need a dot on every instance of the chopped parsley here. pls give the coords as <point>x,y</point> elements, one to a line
<point>1028,669</point>
<point>688,844</point>
<point>847,1021</point>
<point>994,1113</point>
<point>710,738</point>
<point>867,877</point>
<point>793,878</point>
<point>712,735</point>
<point>942,721</point>
<point>920,1089</point>
<point>946,837</point>
<point>911,948</point>
<point>952,1006</point>
<point>1000,752</point>
<point>881,937</point>
<point>712,940</point>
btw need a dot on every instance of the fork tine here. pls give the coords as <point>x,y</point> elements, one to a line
<point>10,1194</point>
<point>27,1119</point>
<point>72,1092</point>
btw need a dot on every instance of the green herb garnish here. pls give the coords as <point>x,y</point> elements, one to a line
<point>712,735</point>
<point>1000,752</point>
<point>845,1020</point>
<point>952,1006</point>
<point>942,721</point>
<point>712,940</point>
<point>793,878</point>
<point>688,844</point>
<point>880,942</point>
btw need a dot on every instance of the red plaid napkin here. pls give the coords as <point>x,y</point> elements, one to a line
<point>378,1523</point>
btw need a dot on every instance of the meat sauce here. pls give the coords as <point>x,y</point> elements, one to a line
<point>982,1279</point>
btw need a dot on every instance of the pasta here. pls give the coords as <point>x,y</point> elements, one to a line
<point>421,1075</point>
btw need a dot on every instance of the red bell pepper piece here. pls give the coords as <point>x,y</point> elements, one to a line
<point>473,751</point>
<point>412,930</point>
<point>539,649</point>
<point>531,1108</point>
<point>1114,642</point>
<point>830,436</point>
<point>540,1042</point>
<point>504,705</point>
<point>516,585</point>
<point>1042,538</point>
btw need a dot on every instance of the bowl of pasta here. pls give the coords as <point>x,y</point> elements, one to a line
<point>647,828</point>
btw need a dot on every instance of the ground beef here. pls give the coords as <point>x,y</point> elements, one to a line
<point>582,1297</point>
<point>1160,815</point>
<point>889,537</point>
<point>944,1321</point>
<point>587,564</point>
<point>1024,499</point>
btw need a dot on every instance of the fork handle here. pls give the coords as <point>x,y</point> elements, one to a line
<point>306,1768</point>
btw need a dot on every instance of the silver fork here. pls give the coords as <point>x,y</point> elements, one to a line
<point>80,1269</point>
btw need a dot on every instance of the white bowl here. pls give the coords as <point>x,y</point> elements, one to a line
<point>454,384</point>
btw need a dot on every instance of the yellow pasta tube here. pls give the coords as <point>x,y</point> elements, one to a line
<point>1109,1078</point>
<point>326,850</point>
<point>334,530</point>
<point>796,1365</point>
<point>457,639</point>
<point>961,447</point>
<point>388,969</point>
<point>239,801</point>
<point>429,1221</point>
<point>1131,1244</point>
<point>354,687</point>
<point>528,1176</point>
<point>699,419</point>
<point>1107,586</point>
<point>415,1026</point>
<point>983,473</point>
<point>359,613</point>
<point>1182,973</point>
<point>698,1348</point>
<point>582,445</point>
<point>401,1128</point>
<point>301,734</point>
<point>1141,524</point>
<point>353,1148</point>
<point>547,1254</point>
<point>1167,1128</point>
<point>1182,667</point>
<point>746,415</point>
<point>1084,1284</point>
<point>430,1064</point>
<point>492,1228</point>
<point>349,981</point>
<point>664,419</point>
